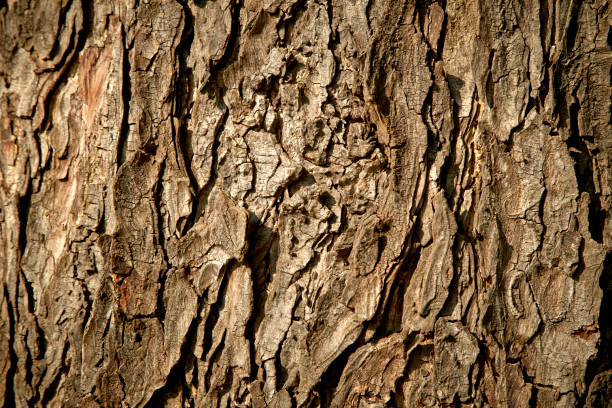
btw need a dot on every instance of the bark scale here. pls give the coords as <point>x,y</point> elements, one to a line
<point>344,203</point>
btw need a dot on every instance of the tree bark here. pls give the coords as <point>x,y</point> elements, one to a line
<point>343,203</point>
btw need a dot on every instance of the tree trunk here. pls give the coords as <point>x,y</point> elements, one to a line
<point>343,203</point>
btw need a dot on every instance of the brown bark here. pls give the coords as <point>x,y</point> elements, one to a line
<point>343,203</point>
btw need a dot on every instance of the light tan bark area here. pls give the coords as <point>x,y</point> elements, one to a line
<point>305,203</point>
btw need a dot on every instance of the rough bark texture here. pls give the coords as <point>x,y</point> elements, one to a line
<point>343,203</point>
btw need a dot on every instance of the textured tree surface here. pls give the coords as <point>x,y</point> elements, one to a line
<point>342,203</point>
